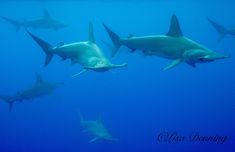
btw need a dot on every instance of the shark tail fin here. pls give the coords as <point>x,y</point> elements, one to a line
<point>7,100</point>
<point>115,39</point>
<point>219,28</point>
<point>15,23</point>
<point>45,46</point>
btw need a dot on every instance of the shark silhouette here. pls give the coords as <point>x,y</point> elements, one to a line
<point>87,53</point>
<point>39,89</point>
<point>174,46</point>
<point>46,22</point>
<point>222,31</point>
<point>97,129</point>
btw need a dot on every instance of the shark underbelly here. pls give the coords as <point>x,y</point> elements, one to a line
<point>40,24</point>
<point>35,92</point>
<point>163,46</point>
<point>81,53</point>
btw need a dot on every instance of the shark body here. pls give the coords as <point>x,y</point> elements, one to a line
<point>39,89</point>
<point>46,22</point>
<point>87,54</point>
<point>174,46</point>
<point>96,129</point>
<point>222,31</point>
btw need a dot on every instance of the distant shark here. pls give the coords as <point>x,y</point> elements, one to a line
<point>222,31</point>
<point>46,22</point>
<point>173,46</point>
<point>39,89</point>
<point>96,129</point>
<point>87,53</point>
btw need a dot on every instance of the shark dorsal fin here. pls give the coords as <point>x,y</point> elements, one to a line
<point>175,30</point>
<point>39,78</point>
<point>91,33</point>
<point>46,14</point>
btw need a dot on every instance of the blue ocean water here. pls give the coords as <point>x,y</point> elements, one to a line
<point>136,103</point>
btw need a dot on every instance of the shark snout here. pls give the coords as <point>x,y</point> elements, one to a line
<point>215,56</point>
<point>119,65</point>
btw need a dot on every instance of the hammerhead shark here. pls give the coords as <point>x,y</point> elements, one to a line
<point>222,31</point>
<point>39,89</point>
<point>87,53</point>
<point>97,129</point>
<point>46,22</point>
<point>174,46</point>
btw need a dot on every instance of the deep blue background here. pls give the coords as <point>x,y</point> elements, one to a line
<point>136,103</point>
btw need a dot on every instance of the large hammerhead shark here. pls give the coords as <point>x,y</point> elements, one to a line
<point>222,31</point>
<point>87,53</point>
<point>97,129</point>
<point>46,22</point>
<point>174,46</point>
<point>39,89</point>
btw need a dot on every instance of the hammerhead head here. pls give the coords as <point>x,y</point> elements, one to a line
<point>173,46</point>
<point>96,129</point>
<point>222,31</point>
<point>39,89</point>
<point>46,22</point>
<point>87,53</point>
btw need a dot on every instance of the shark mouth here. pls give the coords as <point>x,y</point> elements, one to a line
<point>104,68</point>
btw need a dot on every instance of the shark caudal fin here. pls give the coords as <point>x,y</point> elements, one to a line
<point>222,31</point>
<point>7,100</point>
<point>46,47</point>
<point>115,39</point>
<point>15,23</point>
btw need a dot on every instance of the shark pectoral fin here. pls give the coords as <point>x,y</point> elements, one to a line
<point>192,64</point>
<point>81,72</point>
<point>173,64</point>
<point>94,139</point>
